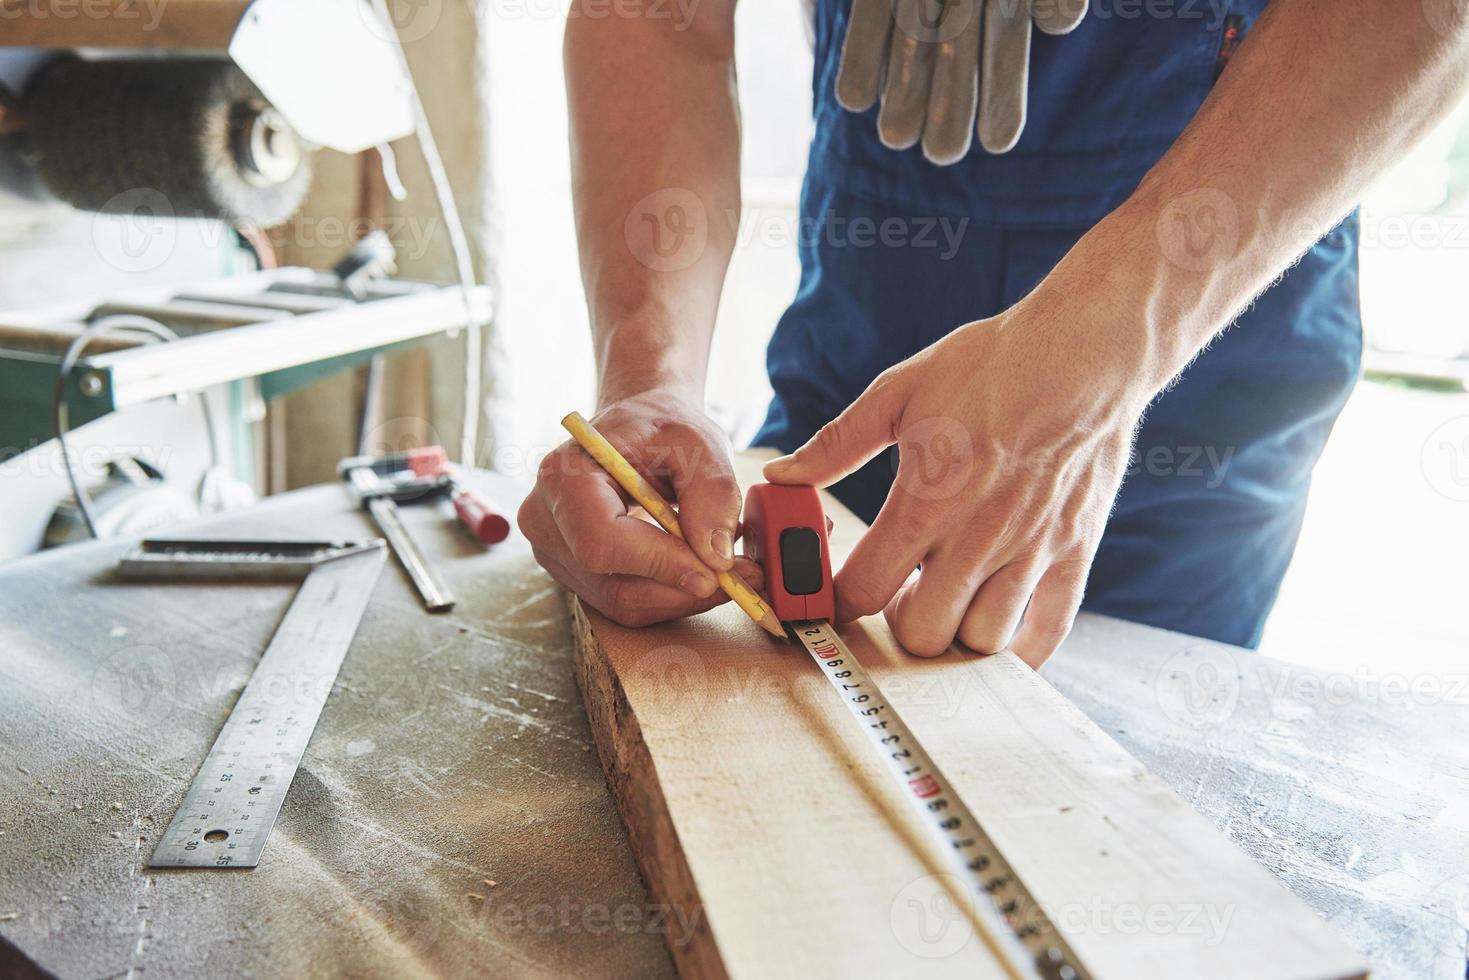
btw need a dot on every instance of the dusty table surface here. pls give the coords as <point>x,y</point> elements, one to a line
<point>454,751</point>
<point>1353,790</point>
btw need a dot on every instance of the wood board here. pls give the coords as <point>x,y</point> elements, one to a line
<point>760,815</point>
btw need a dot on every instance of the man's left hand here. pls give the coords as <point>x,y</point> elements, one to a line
<point>1014,434</point>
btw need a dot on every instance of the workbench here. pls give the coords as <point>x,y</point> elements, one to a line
<point>450,816</point>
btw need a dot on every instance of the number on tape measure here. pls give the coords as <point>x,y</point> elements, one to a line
<point>1018,926</point>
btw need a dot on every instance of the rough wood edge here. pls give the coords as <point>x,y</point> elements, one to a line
<point>630,775</point>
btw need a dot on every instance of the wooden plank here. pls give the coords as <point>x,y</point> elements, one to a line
<point>759,814</point>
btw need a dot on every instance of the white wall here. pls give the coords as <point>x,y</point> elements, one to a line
<point>542,325</point>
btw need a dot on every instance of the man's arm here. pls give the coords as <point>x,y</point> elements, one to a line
<point>1035,408</point>
<point>655,174</point>
<point>655,146</point>
<point>1320,100</point>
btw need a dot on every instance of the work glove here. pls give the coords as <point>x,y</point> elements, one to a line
<point>941,63</point>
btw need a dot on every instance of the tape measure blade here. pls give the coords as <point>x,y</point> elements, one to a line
<point>1017,927</point>
<point>232,803</point>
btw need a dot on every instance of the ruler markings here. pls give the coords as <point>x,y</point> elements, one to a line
<point>1016,924</point>
<point>230,807</point>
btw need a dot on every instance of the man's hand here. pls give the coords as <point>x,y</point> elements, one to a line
<point>578,523</point>
<point>1013,438</point>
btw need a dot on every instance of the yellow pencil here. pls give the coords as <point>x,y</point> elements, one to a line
<point>652,501</point>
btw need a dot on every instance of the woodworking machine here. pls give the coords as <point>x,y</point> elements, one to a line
<point>216,105</point>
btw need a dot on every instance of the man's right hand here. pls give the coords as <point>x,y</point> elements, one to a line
<point>578,522</point>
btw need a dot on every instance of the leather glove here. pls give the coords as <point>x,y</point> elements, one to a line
<point>940,64</point>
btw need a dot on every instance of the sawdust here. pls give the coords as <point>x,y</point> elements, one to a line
<point>364,874</point>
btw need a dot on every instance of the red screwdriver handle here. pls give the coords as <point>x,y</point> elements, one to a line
<point>475,513</point>
<point>785,534</point>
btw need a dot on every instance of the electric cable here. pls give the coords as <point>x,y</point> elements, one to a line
<point>61,412</point>
<point>458,242</point>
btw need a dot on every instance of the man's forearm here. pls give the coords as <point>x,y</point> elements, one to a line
<point>655,179</point>
<point>1319,101</point>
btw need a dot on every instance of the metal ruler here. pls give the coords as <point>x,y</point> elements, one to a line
<point>786,533</point>
<point>232,804</point>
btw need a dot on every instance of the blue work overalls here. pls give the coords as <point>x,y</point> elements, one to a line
<point>1211,507</point>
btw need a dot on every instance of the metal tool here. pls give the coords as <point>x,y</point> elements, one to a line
<point>381,483</point>
<point>380,495</point>
<point>232,804</point>
<point>785,532</point>
<point>376,495</point>
<point>425,473</point>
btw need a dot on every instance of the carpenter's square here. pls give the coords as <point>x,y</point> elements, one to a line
<point>230,807</point>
